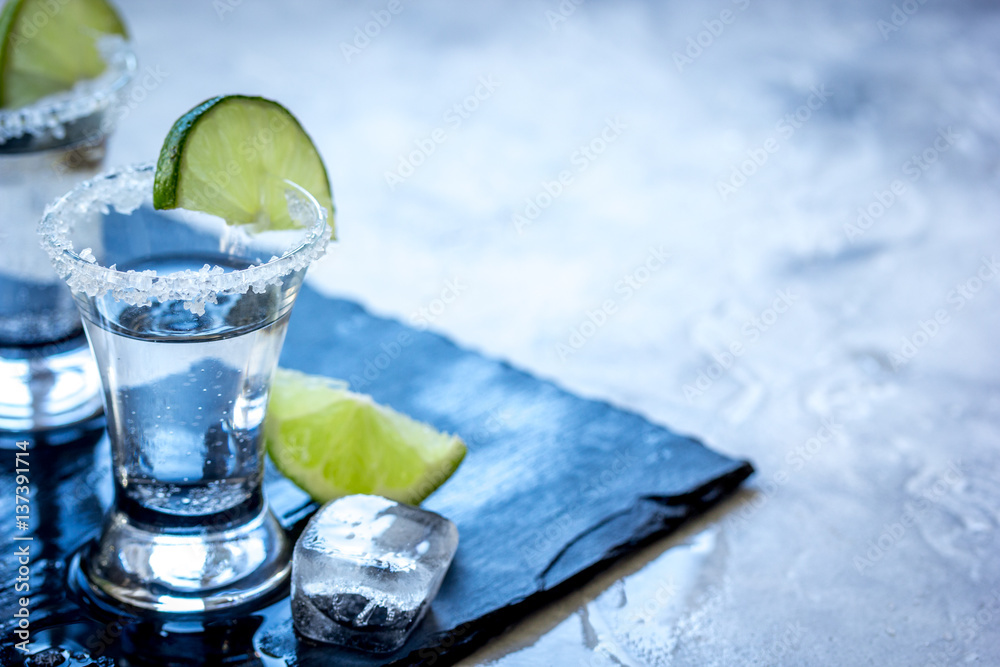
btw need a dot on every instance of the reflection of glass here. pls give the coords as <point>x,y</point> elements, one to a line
<point>47,375</point>
<point>186,316</point>
<point>104,638</point>
<point>222,642</point>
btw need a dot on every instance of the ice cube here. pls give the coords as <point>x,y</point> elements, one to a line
<point>365,570</point>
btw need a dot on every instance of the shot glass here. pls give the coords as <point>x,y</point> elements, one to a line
<point>186,316</point>
<point>48,379</point>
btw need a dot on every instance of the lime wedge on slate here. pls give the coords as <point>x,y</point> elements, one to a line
<point>332,442</point>
<point>47,46</point>
<point>230,156</point>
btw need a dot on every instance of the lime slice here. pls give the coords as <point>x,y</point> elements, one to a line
<point>333,442</point>
<point>47,46</point>
<point>230,156</point>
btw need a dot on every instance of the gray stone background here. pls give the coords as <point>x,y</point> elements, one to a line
<point>821,179</point>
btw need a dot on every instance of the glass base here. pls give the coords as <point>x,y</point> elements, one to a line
<point>186,573</point>
<point>49,387</point>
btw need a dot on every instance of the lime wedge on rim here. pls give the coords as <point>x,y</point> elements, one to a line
<point>332,442</point>
<point>46,47</point>
<point>230,156</point>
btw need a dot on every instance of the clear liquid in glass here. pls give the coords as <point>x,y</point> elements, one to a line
<point>47,375</point>
<point>190,397</point>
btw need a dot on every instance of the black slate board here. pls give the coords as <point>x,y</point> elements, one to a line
<point>553,488</point>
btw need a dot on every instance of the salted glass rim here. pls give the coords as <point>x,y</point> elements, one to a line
<point>49,115</point>
<point>128,188</point>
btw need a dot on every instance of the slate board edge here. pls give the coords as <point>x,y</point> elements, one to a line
<point>698,501</point>
<point>506,364</point>
<point>462,643</point>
